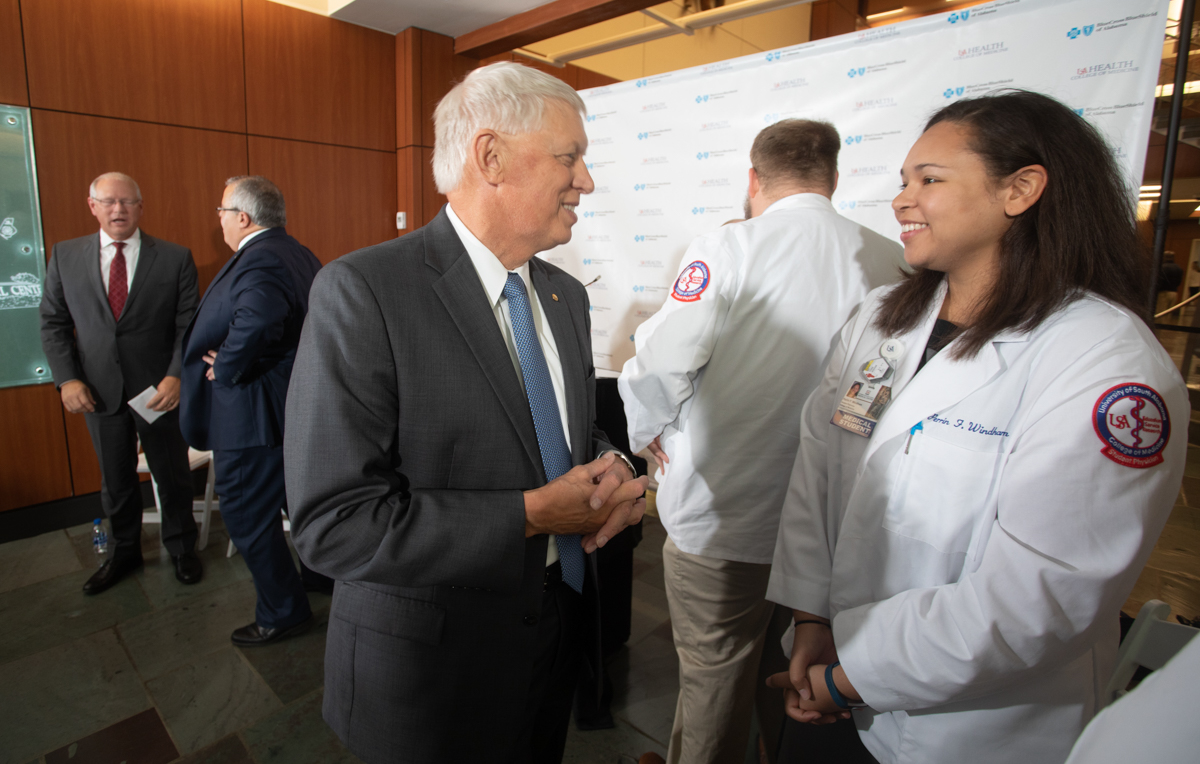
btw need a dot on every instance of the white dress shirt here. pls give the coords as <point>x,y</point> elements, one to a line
<point>133,247</point>
<point>493,276</point>
<point>250,236</point>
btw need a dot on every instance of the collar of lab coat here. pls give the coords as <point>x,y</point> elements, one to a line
<point>796,201</point>
<point>942,383</point>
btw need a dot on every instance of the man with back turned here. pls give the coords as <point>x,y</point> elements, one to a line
<point>237,361</point>
<point>715,391</point>
<point>442,460</point>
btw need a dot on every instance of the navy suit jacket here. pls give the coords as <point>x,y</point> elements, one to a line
<point>251,314</point>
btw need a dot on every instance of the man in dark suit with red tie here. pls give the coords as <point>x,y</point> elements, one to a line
<point>114,310</point>
<point>237,361</point>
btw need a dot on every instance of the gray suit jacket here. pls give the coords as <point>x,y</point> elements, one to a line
<point>408,446</point>
<point>82,340</point>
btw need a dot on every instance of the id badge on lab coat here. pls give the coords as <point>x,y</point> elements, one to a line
<point>866,399</point>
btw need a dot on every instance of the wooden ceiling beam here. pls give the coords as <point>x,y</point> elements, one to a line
<point>545,21</point>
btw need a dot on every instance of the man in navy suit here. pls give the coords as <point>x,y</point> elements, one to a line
<point>237,362</point>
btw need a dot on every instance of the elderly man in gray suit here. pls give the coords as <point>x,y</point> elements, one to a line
<point>114,311</point>
<point>442,462</point>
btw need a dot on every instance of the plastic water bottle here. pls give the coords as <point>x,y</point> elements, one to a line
<point>100,541</point>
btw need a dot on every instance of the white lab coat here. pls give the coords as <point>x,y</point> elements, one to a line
<point>975,581</point>
<point>1155,723</point>
<point>723,375</point>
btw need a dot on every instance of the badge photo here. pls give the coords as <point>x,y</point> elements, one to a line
<point>692,282</point>
<point>1133,423</point>
<point>861,407</point>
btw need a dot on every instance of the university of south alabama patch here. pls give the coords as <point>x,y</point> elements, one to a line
<point>1133,422</point>
<point>692,282</point>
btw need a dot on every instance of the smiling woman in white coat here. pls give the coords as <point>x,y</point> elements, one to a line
<point>993,451</point>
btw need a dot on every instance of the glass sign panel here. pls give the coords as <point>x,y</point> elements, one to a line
<point>22,254</point>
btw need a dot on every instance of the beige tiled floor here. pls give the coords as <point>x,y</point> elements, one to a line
<point>152,658</point>
<point>94,678</point>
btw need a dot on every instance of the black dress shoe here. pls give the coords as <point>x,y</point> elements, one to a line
<point>255,635</point>
<point>110,573</point>
<point>188,568</point>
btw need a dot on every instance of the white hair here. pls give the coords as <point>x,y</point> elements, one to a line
<point>506,97</point>
<point>114,176</point>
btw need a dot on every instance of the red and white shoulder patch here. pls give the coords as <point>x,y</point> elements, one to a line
<point>1133,422</point>
<point>692,282</point>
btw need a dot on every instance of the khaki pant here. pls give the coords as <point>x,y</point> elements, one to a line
<point>718,618</point>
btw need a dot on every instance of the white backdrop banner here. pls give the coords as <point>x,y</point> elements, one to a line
<point>670,153</point>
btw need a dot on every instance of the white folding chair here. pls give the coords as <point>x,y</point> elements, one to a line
<point>1151,642</point>
<point>201,509</point>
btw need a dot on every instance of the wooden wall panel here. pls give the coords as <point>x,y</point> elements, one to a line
<point>832,17</point>
<point>181,172</point>
<point>33,452</point>
<point>318,79</point>
<point>178,63</point>
<point>12,55</point>
<point>426,70</point>
<point>338,199</point>
<point>589,79</point>
<point>417,194</point>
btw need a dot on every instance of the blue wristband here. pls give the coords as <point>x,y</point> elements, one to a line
<point>838,700</point>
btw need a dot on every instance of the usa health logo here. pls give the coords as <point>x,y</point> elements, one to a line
<point>1086,31</point>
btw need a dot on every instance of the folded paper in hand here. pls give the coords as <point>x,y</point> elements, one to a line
<point>138,404</point>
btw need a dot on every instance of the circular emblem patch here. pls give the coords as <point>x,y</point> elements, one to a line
<point>691,282</point>
<point>1133,422</point>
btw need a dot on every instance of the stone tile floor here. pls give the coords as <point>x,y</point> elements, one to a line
<point>145,673</point>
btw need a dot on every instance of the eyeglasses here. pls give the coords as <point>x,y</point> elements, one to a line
<point>108,203</point>
<point>226,209</point>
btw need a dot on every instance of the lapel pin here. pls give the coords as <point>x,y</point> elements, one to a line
<point>554,297</point>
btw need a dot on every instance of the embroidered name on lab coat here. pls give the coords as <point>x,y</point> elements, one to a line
<point>969,426</point>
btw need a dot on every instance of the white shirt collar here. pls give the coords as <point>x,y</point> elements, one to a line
<point>134,240</point>
<point>492,272</point>
<point>246,239</point>
<point>800,200</point>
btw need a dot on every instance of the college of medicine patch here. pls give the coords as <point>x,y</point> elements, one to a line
<point>691,282</point>
<point>1133,422</point>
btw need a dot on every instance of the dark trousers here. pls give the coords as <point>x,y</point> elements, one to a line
<point>836,743</point>
<point>250,486</point>
<point>555,671</point>
<point>114,437</point>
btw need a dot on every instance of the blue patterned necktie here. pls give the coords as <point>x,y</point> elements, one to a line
<point>556,459</point>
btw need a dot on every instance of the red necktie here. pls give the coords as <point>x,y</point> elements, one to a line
<point>118,281</point>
